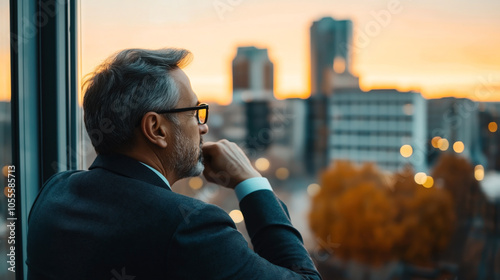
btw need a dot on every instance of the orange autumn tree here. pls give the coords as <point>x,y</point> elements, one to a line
<point>456,174</point>
<point>425,218</point>
<point>375,219</point>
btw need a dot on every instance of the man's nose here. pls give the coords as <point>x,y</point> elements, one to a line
<point>203,129</point>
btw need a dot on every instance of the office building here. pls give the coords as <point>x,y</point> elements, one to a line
<point>374,126</point>
<point>331,59</point>
<point>288,131</point>
<point>456,120</point>
<point>331,71</point>
<point>253,75</point>
<point>316,133</point>
<point>227,122</point>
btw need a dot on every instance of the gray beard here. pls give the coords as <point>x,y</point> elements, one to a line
<point>184,157</point>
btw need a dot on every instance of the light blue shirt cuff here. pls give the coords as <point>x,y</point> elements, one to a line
<point>251,185</point>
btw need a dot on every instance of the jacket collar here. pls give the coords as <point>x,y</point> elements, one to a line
<point>128,167</point>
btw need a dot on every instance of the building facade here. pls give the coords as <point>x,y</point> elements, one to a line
<point>331,42</point>
<point>253,75</point>
<point>456,120</point>
<point>374,126</point>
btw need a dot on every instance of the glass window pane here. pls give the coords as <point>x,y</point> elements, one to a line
<point>284,84</point>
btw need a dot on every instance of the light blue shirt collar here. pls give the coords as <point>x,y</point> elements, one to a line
<point>157,173</point>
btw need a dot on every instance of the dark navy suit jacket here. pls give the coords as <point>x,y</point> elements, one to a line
<point>119,220</point>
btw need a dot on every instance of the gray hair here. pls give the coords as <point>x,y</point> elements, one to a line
<point>124,88</point>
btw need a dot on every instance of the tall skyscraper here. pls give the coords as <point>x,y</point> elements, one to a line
<point>331,42</point>
<point>331,64</point>
<point>253,75</point>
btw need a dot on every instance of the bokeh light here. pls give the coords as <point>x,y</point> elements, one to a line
<point>458,147</point>
<point>262,164</point>
<point>429,182</point>
<point>435,141</point>
<point>237,216</point>
<point>406,151</point>
<point>443,144</point>
<point>282,173</point>
<point>420,178</point>
<point>195,183</point>
<point>5,171</point>
<point>479,172</point>
<point>6,191</point>
<point>493,127</point>
<point>313,189</point>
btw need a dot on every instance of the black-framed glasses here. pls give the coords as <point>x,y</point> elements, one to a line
<point>201,112</point>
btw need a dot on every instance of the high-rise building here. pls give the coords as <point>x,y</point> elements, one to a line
<point>288,131</point>
<point>227,122</point>
<point>454,120</point>
<point>253,75</point>
<point>258,125</point>
<point>386,127</point>
<point>331,60</point>
<point>316,133</point>
<point>331,66</point>
<point>275,129</point>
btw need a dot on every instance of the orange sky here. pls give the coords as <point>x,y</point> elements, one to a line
<point>4,52</point>
<point>442,49</point>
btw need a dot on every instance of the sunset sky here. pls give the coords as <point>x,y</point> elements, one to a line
<point>445,48</point>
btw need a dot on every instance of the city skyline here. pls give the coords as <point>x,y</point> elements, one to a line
<point>440,49</point>
<point>418,49</point>
<point>386,169</point>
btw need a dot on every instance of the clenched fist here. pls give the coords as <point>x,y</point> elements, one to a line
<point>226,164</point>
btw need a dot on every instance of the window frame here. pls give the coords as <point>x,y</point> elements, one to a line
<point>44,100</point>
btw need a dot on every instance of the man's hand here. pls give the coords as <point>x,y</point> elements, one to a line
<point>226,164</point>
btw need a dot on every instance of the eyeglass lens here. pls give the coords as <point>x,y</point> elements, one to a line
<point>202,115</point>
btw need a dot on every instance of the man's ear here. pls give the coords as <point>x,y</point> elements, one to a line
<point>155,129</point>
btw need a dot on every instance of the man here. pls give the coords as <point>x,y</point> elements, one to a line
<point>120,219</point>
